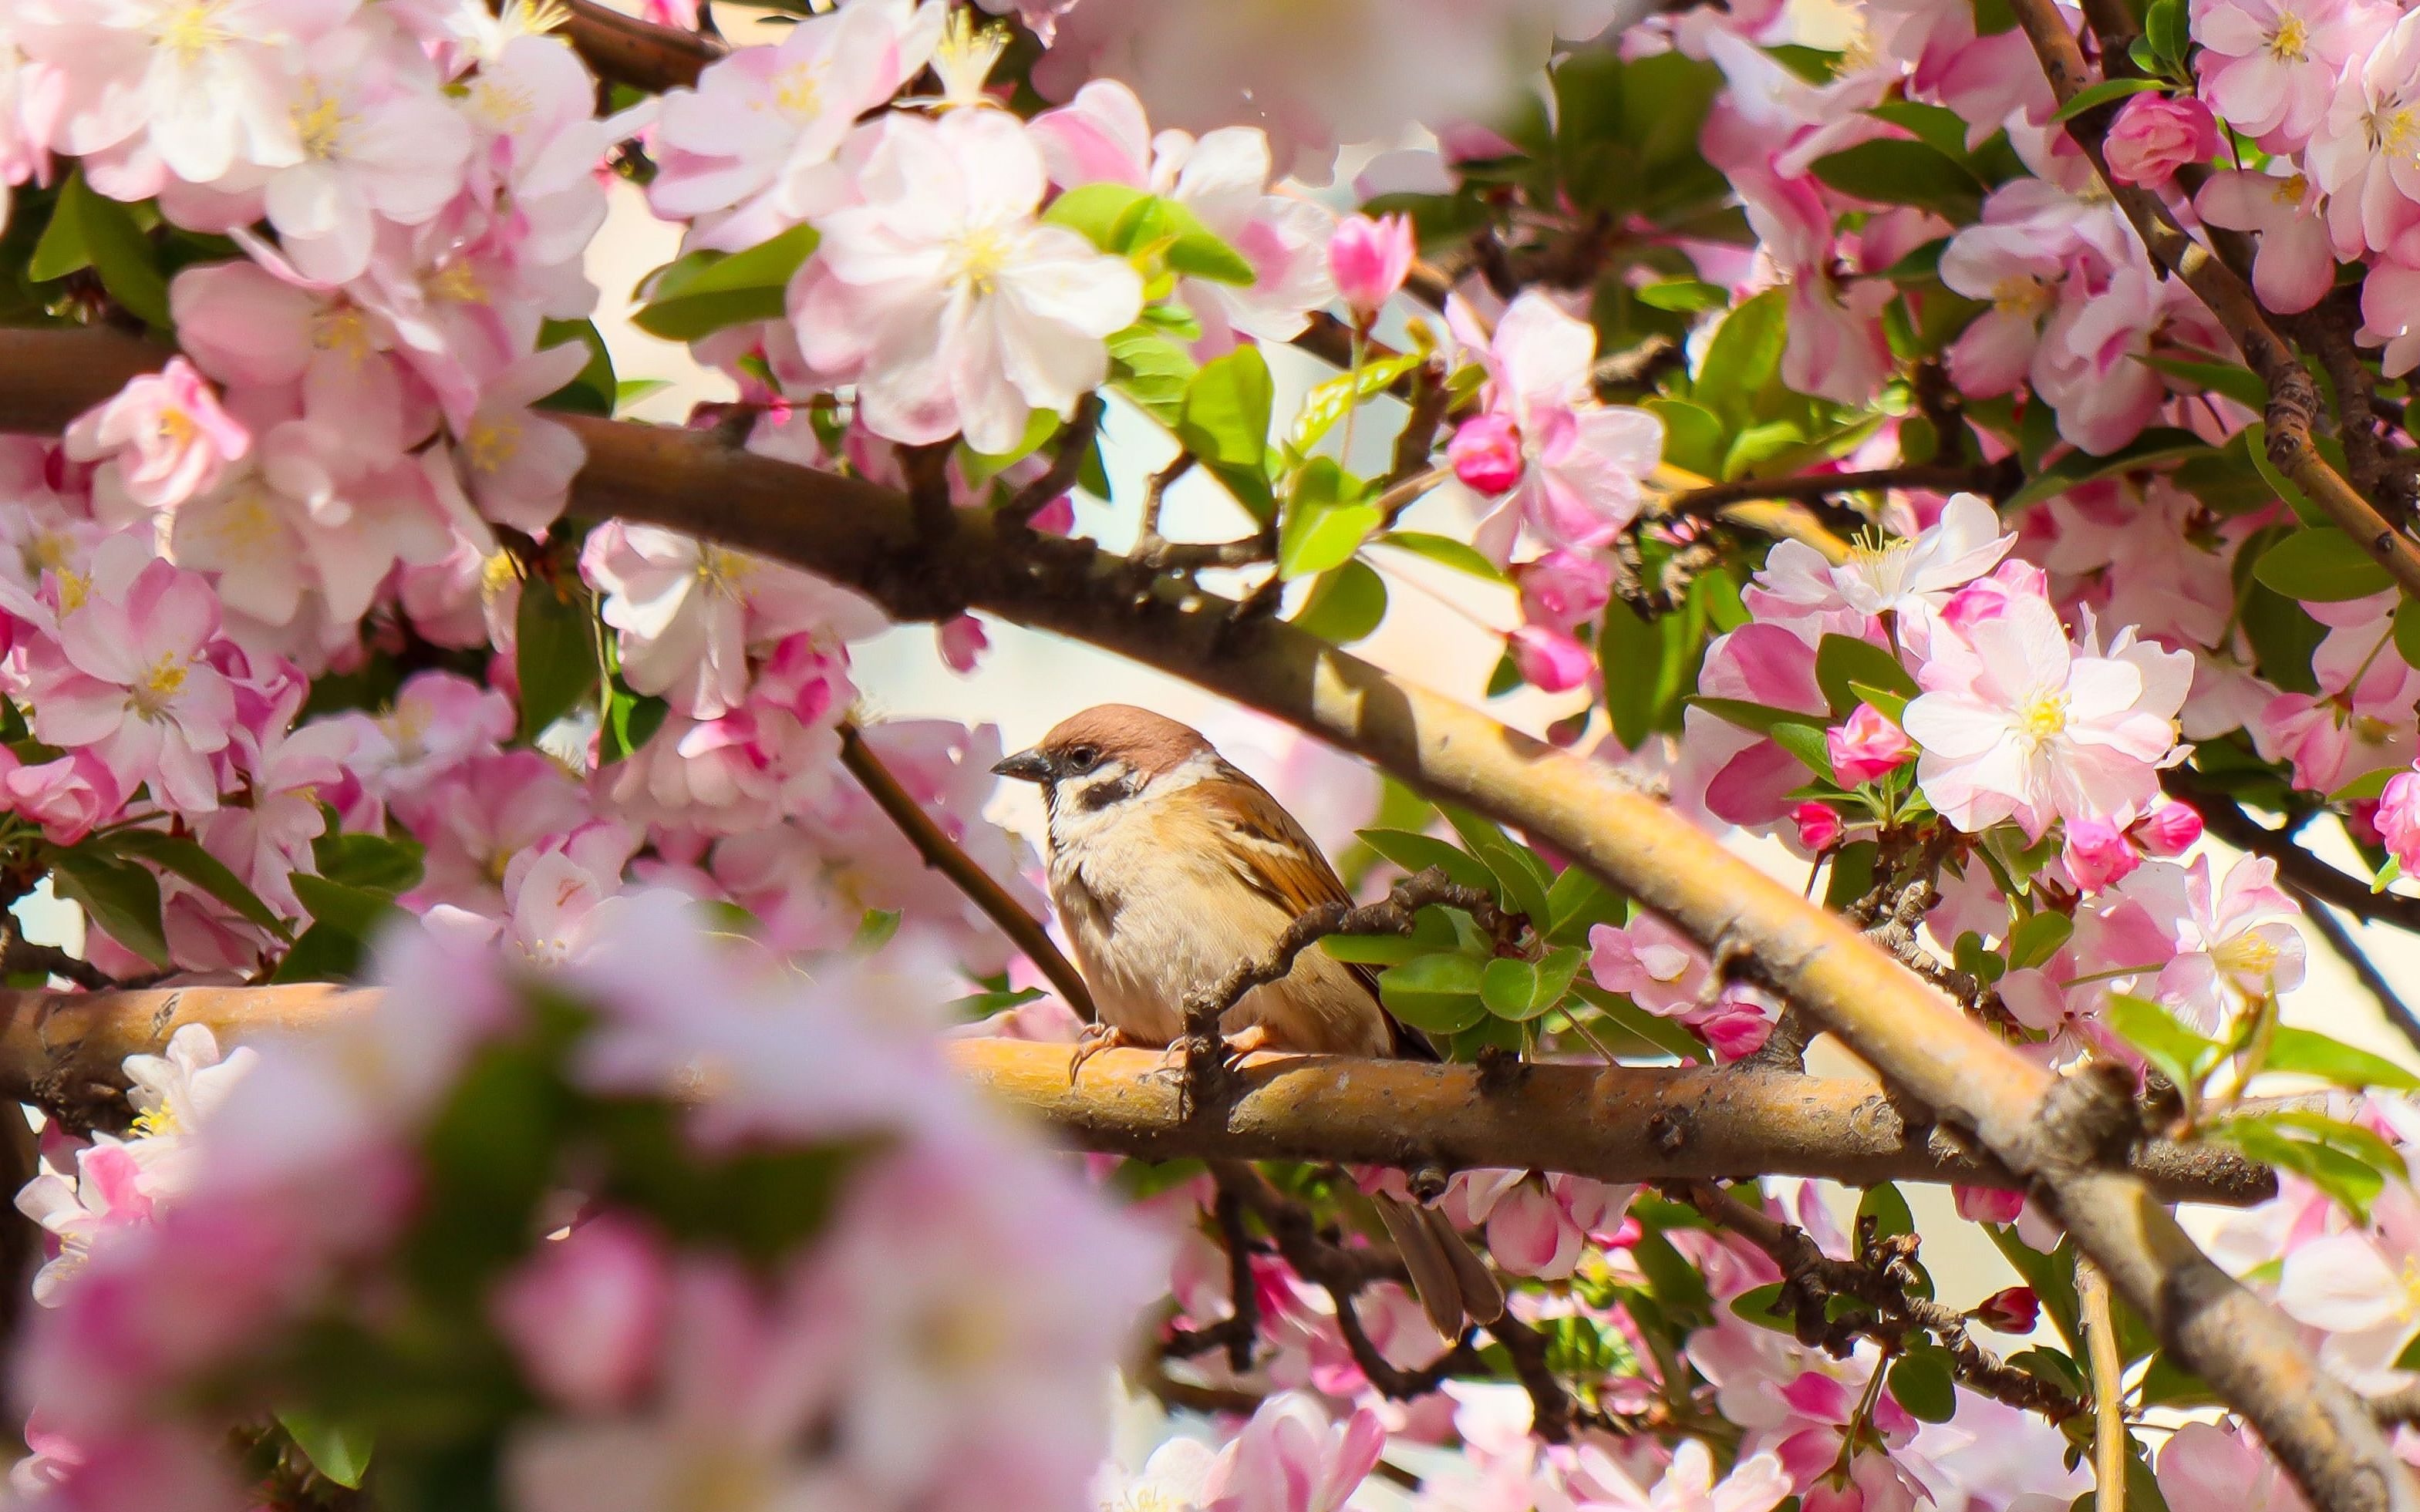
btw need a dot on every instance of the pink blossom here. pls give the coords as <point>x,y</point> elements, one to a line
<point>1564,589</point>
<point>2235,935</point>
<point>586,1313</point>
<point>131,682</point>
<point>1290,1457</point>
<point>2010,266</point>
<point>2292,267</point>
<point>2270,67</point>
<point>1988,1204</point>
<point>2156,134</point>
<point>1541,1227</point>
<point>2204,1464</point>
<point>2169,829</point>
<point>1485,452</point>
<point>517,464</point>
<point>961,642</point>
<point>2009,1310</point>
<point>2095,853</point>
<point>1549,659</point>
<point>955,310</point>
<point>165,436</point>
<point>66,796</point>
<point>1866,745</point>
<point>1818,825</point>
<point>2356,156</point>
<point>1368,259</point>
<point>2016,723</point>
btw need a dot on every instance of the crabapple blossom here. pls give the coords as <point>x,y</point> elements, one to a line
<point>2293,265</point>
<point>1868,745</point>
<point>1368,259</point>
<point>164,438</point>
<point>2270,67</point>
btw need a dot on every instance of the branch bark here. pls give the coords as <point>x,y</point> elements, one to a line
<point>861,534</point>
<point>642,54</point>
<point>1636,1123</point>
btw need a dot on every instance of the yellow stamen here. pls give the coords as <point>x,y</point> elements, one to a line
<point>2291,41</point>
<point>191,31</point>
<point>2044,717</point>
<point>493,442</point>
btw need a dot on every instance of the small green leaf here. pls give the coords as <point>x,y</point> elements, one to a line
<point>1891,705</point>
<point>1521,878</point>
<point>321,953</point>
<point>1416,853</point>
<point>2102,93</point>
<point>1377,949</point>
<point>2038,940</point>
<point>1577,902</point>
<point>200,868</point>
<point>354,911</point>
<point>1226,409</point>
<point>1436,993</point>
<point>1760,718</point>
<point>1627,647</point>
<point>1841,659</point>
<point>2183,1055</point>
<point>1329,402</point>
<point>1743,357</point>
<point>1757,1306</point>
<point>706,291</point>
<point>592,389</point>
<point>2352,1178</point>
<point>1150,369</point>
<point>2152,448</point>
<point>2407,631</point>
<point>2233,379</point>
<point>1891,171</point>
<point>374,863</point>
<point>556,645</point>
<point>1883,1204</point>
<point>89,230</point>
<point>1921,1383</point>
<point>1192,248</point>
<point>1445,551</point>
<point>1096,210</point>
<point>337,1451</point>
<point>1326,520</point>
<point>2313,1054</point>
<point>1808,743</point>
<point>2323,566</point>
<point>120,895</point>
<point>1523,990</point>
<point>1344,605</point>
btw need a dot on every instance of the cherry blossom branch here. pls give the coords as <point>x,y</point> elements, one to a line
<point>1884,1285</point>
<point>2293,399</point>
<point>2350,951</point>
<point>945,855</point>
<point>63,1051</point>
<point>2402,1405</point>
<point>1994,479</point>
<point>2230,821</point>
<point>2046,1130</point>
<point>1074,444</point>
<point>642,54</point>
<point>2109,1436</point>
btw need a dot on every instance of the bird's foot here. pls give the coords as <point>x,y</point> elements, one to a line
<point>1095,1038</point>
<point>1204,1065</point>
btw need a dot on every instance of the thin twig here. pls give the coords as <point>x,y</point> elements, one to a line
<point>1075,445</point>
<point>947,856</point>
<point>1991,478</point>
<point>1402,495</point>
<point>1148,541</point>
<point>2341,941</point>
<point>20,954</point>
<point>2110,1442</point>
<point>2224,817</point>
<point>1237,1331</point>
<point>2402,1405</point>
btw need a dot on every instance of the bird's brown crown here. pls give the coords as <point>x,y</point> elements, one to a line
<point>1147,742</point>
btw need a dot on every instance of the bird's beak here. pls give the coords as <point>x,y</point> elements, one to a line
<point>1026,767</point>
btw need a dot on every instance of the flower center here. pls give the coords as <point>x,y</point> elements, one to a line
<point>151,696</point>
<point>320,125</point>
<point>190,31</point>
<point>963,59</point>
<point>343,329</point>
<point>246,521</point>
<point>2396,133</point>
<point>2044,717</point>
<point>493,442</point>
<point>501,104</point>
<point>2290,191</point>
<point>722,573</point>
<point>160,1122</point>
<point>980,255</point>
<point>457,282</point>
<point>2246,955</point>
<point>2021,294</point>
<point>73,586</point>
<point>2291,41</point>
<point>799,91</point>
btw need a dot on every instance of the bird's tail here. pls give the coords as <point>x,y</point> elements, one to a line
<point>1452,1281</point>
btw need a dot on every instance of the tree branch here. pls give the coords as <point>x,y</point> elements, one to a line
<point>2340,940</point>
<point>945,855</point>
<point>860,535</point>
<point>646,56</point>
<point>2298,867</point>
<point>1623,1123</point>
<point>1993,479</point>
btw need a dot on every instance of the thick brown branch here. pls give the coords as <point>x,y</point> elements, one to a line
<point>1618,1123</point>
<point>945,855</point>
<point>645,56</point>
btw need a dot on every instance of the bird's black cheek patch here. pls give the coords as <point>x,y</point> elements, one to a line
<point>1101,795</point>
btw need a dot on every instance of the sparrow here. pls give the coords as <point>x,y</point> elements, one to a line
<point>1169,867</point>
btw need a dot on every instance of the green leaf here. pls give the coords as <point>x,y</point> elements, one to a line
<point>1921,1383</point>
<point>200,868</point>
<point>321,953</point>
<point>2165,28</point>
<point>2233,379</point>
<point>1762,717</point>
<point>1192,248</point>
<point>1922,263</point>
<point>1436,993</point>
<point>1416,853</point>
<point>1344,606</point>
<point>2313,1054</point>
<point>374,863</point>
<point>1326,520</point>
<point>1523,990</point>
<point>1686,296</point>
<point>1096,210</point>
<point>338,1451</point>
<point>631,720</point>
<point>2183,1055</point>
<point>1377,949</point>
<point>1840,660</point>
<point>1577,902</point>
<point>2255,447</point>
<point>2037,938</point>
<point>2332,1165</point>
<point>89,230</point>
<point>354,911</point>
<point>1627,647</point>
<point>557,654</point>
<point>1150,369</point>
<point>1883,1204</point>
<point>1329,402</point>
<point>1809,744</point>
<point>1890,171</point>
<point>1695,437</point>
<point>2323,566</point>
<point>1521,878</point>
<point>119,896</point>
<point>627,392</point>
<point>1445,551</point>
<point>2407,631</point>
<point>1226,409</point>
<point>1743,357</point>
<point>2103,92</point>
<point>1757,1306</point>
<point>591,390</point>
<point>706,291</point>
<point>1891,705</point>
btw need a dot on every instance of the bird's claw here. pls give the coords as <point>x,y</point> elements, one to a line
<point>1095,1038</point>
<point>1205,1066</point>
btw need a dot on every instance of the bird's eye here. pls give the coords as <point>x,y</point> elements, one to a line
<point>1081,759</point>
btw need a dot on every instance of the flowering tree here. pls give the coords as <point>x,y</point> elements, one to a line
<point>537,1042</point>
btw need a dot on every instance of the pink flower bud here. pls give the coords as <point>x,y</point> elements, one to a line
<point>1987,599</point>
<point>1528,1235</point>
<point>1369,260</point>
<point>1486,452</point>
<point>2012,1311</point>
<point>1987,1204</point>
<point>1057,518</point>
<point>1564,588</point>
<point>1549,659</point>
<point>2169,829</point>
<point>2097,853</point>
<point>2398,820</point>
<point>963,642</point>
<point>2157,134</point>
<point>584,1313</point>
<point>1866,745</point>
<point>1818,826</point>
<point>66,796</point>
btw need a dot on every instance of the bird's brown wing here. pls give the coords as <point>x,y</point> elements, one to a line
<point>1278,860</point>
